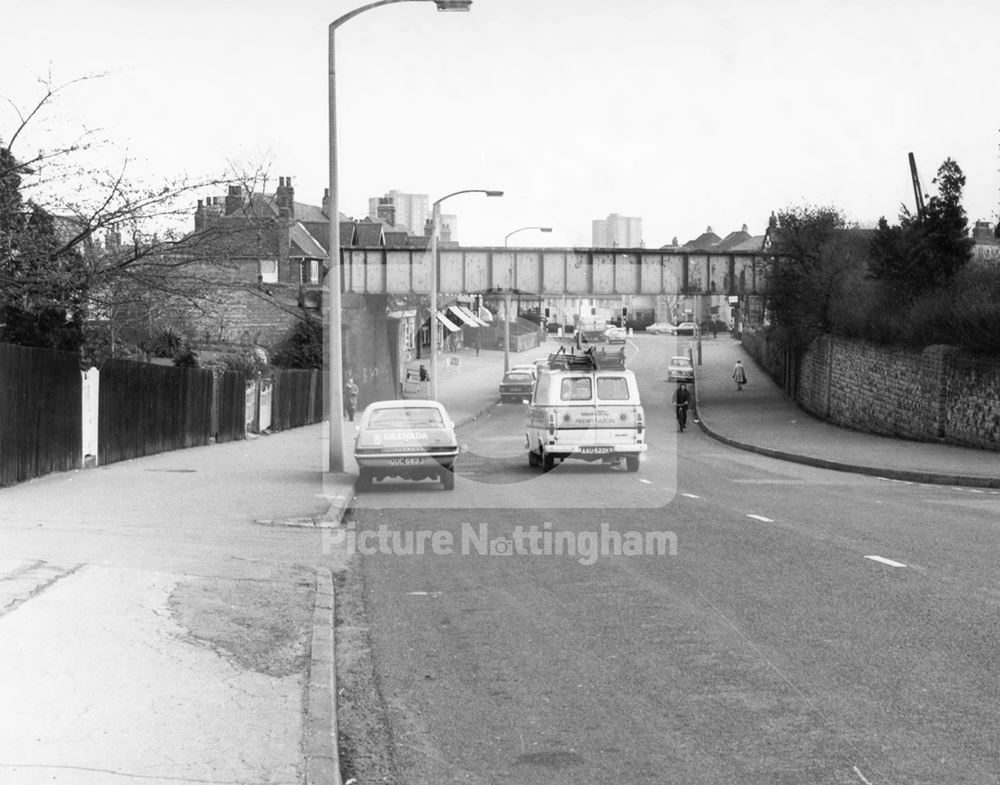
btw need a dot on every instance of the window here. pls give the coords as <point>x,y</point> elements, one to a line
<point>269,270</point>
<point>542,387</point>
<point>576,388</point>
<point>410,417</point>
<point>612,388</point>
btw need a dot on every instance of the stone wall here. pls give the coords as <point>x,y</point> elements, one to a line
<point>932,395</point>
<point>972,415</point>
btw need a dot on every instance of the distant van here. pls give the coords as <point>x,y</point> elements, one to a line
<point>586,407</point>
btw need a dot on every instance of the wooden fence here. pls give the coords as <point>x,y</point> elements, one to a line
<point>141,409</point>
<point>146,409</point>
<point>297,398</point>
<point>40,413</point>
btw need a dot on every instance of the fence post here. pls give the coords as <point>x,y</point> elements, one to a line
<point>214,425</point>
<point>90,398</point>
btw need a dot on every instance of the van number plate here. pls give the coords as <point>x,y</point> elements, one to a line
<point>405,461</point>
<point>597,450</point>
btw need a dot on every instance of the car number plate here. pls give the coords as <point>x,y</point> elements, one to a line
<point>597,450</point>
<point>405,461</point>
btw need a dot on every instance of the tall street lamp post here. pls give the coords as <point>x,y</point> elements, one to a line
<point>334,338</point>
<point>506,299</point>
<point>435,231</point>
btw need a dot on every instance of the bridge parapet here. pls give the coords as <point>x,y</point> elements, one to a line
<point>553,271</point>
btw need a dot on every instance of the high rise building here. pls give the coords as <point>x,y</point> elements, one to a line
<point>410,211</point>
<point>617,231</point>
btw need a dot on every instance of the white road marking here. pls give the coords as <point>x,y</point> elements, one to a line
<point>424,593</point>
<point>861,776</point>
<point>761,518</point>
<point>648,482</point>
<point>881,560</point>
<point>690,495</point>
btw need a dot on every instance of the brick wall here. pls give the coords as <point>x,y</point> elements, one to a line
<point>245,315</point>
<point>932,395</point>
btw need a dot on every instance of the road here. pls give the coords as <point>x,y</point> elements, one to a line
<point>803,626</point>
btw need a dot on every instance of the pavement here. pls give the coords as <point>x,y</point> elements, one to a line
<point>131,594</point>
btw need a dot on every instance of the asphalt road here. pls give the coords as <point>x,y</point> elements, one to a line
<point>803,626</point>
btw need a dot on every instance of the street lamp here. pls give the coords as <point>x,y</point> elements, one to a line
<point>435,231</point>
<point>335,381</point>
<point>506,301</point>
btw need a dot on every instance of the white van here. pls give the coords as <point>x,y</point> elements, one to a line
<point>586,406</point>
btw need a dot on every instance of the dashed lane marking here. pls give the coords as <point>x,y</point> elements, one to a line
<point>882,560</point>
<point>761,518</point>
<point>690,495</point>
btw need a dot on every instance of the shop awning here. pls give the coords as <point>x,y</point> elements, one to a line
<point>465,316</point>
<point>450,325</point>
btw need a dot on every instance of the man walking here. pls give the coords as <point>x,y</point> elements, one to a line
<point>739,375</point>
<point>350,398</point>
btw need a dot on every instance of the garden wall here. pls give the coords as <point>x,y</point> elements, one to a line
<point>936,394</point>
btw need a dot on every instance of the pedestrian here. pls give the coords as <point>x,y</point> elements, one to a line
<point>739,375</point>
<point>350,398</point>
<point>682,398</point>
<point>715,329</point>
<point>479,342</point>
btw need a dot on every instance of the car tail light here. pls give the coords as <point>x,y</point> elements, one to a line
<point>552,424</point>
<point>640,421</point>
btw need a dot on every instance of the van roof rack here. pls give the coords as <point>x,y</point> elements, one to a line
<point>590,360</point>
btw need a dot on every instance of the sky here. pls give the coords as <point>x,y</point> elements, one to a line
<point>685,113</point>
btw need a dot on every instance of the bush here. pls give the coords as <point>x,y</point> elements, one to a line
<point>303,348</point>
<point>186,358</point>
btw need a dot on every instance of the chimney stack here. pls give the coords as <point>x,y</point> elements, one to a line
<point>284,196</point>
<point>234,199</point>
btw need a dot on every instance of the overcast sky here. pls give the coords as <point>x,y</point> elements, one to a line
<point>685,113</point>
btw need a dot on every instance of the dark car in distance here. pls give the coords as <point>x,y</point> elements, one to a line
<point>517,386</point>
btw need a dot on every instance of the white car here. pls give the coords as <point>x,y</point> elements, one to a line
<point>411,439</point>
<point>616,334</point>
<point>684,328</point>
<point>524,368</point>
<point>660,328</point>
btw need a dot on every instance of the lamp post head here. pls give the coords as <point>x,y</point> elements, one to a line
<point>453,5</point>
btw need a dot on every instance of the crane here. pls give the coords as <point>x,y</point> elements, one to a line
<point>918,192</point>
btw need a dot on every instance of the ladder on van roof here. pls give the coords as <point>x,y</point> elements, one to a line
<point>590,360</point>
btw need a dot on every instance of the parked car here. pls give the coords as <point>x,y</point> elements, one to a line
<point>527,368</point>
<point>681,369</point>
<point>660,328</point>
<point>411,439</point>
<point>517,386</point>
<point>616,334</point>
<point>684,328</point>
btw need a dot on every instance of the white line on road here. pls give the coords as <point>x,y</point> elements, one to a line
<point>690,495</point>
<point>881,560</point>
<point>761,518</point>
<point>861,776</point>
<point>648,482</point>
